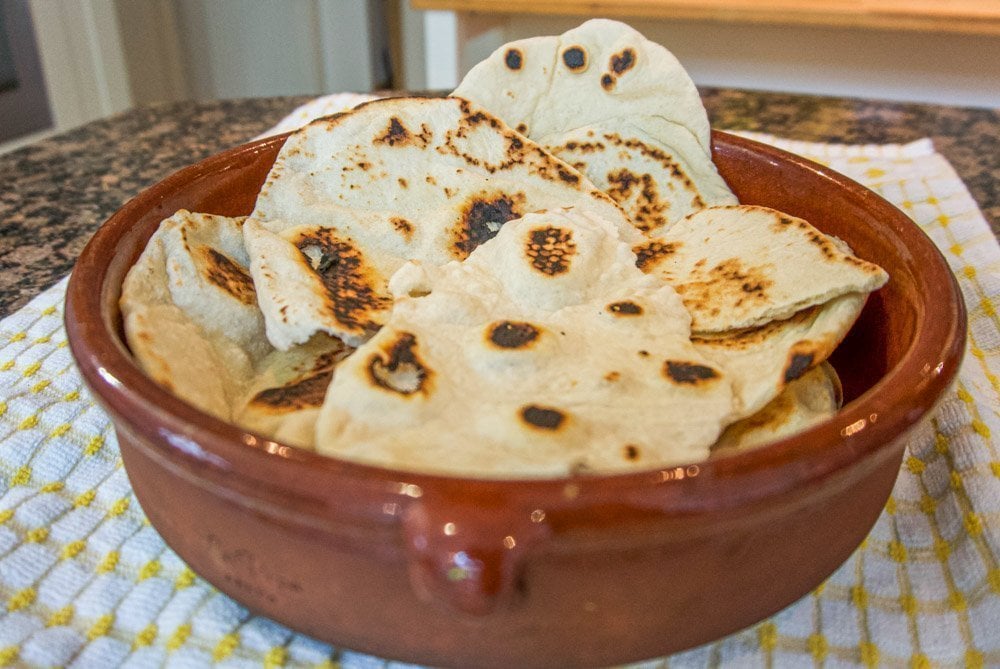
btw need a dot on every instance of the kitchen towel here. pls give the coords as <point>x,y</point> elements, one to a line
<point>85,581</point>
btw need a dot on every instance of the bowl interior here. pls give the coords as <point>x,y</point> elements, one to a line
<point>874,229</point>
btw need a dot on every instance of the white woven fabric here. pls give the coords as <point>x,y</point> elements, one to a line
<point>85,581</point>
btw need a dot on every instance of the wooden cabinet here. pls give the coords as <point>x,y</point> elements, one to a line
<point>963,16</point>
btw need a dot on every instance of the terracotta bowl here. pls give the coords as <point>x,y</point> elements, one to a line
<point>581,571</point>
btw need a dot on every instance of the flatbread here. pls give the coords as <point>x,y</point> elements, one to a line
<point>762,361</point>
<point>814,397</point>
<point>615,105</point>
<point>743,266</point>
<point>651,167</point>
<point>192,322</point>
<point>352,197</point>
<point>284,397</point>
<point>545,352</point>
<point>589,299</point>
<point>190,311</point>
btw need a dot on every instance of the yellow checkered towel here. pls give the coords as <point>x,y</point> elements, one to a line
<point>86,582</point>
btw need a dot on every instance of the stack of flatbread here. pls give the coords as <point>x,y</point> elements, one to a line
<point>542,274</point>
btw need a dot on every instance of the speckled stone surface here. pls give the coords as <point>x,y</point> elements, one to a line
<point>968,138</point>
<point>57,192</point>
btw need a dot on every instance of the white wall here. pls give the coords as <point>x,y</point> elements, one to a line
<point>412,48</point>
<point>100,57</point>
<point>951,69</point>
<point>79,45</point>
<point>153,50</point>
<point>236,48</point>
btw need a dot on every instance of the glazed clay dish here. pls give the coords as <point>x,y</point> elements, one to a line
<point>588,570</point>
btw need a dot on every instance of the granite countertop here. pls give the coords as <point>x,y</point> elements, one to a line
<point>58,191</point>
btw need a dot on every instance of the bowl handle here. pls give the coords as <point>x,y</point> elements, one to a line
<point>469,558</point>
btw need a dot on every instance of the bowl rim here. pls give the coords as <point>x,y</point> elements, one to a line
<point>272,473</point>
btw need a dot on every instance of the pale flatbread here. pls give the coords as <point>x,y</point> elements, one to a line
<point>191,320</point>
<point>652,168</point>
<point>285,395</point>
<point>615,105</point>
<point>546,352</point>
<point>352,197</point>
<point>814,397</point>
<point>762,361</point>
<point>190,311</point>
<point>743,266</point>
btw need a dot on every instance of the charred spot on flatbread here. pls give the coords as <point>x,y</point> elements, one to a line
<point>349,282</point>
<point>398,369</point>
<point>727,285</point>
<point>625,308</point>
<point>227,274</point>
<point>678,177</point>
<point>522,128</point>
<point>783,221</point>
<point>513,59</point>
<point>543,418</point>
<point>824,244</point>
<point>575,58</point>
<point>402,226</point>
<point>567,176</point>
<point>481,218</point>
<point>688,373</point>
<point>618,64</point>
<point>304,393</point>
<point>649,254</point>
<point>472,118</point>
<point>397,134</point>
<point>572,152</point>
<point>647,211</point>
<point>510,334</point>
<point>550,249</point>
<point>622,61</point>
<point>621,183</point>
<point>631,452</point>
<point>799,362</point>
<point>306,390</point>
